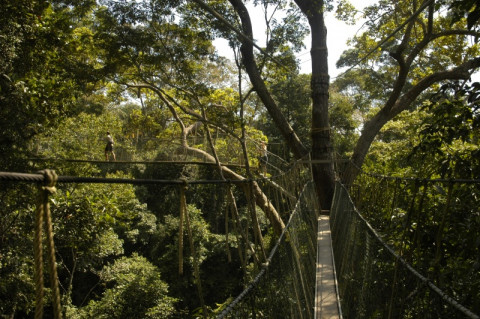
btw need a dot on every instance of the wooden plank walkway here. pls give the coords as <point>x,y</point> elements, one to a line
<point>326,303</point>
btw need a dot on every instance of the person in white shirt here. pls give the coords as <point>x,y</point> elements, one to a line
<point>109,147</point>
<point>263,158</point>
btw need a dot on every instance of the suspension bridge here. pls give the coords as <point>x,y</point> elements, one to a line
<point>325,264</point>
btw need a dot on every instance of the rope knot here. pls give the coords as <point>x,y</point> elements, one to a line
<point>49,180</point>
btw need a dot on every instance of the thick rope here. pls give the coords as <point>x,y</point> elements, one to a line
<point>49,188</point>
<point>196,269</point>
<point>24,177</point>
<point>38,255</point>
<point>120,162</point>
<point>183,209</point>
<point>43,215</point>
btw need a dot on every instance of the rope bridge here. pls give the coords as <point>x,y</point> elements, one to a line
<point>289,264</point>
<point>285,287</point>
<point>375,279</point>
<point>417,274</point>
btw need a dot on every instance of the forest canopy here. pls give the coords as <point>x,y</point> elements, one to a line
<point>148,73</point>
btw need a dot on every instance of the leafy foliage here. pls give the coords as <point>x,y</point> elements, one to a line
<point>42,73</point>
<point>422,220</point>
<point>137,284</point>
<point>16,265</point>
<point>449,136</point>
<point>468,8</point>
<point>292,94</point>
<point>147,72</point>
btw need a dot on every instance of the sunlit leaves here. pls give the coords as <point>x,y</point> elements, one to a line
<point>80,137</point>
<point>155,49</point>
<point>292,94</point>
<point>383,19</point>
<point>346,12</point>
<point>135,289</point>
<point>450,135</point>
<point>289,32</point>
<point>389,153</point>
<point>41,75</point>
<point>344,121</point>
<point>466,8</point>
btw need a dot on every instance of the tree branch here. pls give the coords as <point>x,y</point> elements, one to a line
<point>260,198</point>
<point>246,49</point>
<point>373,126</point>
<point>461,72</point>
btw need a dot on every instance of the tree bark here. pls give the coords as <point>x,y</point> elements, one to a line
<point>323,169</point>
<point>322,151</point>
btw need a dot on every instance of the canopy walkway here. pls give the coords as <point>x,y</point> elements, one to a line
<point>335,266</point>
<point>123,162</point>
<point>176,153</point>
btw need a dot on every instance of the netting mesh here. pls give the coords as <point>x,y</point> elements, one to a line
<point>374,281</point>
<point>285,287</point>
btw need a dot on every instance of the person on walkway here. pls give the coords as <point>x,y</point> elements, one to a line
<point>109,147</point>
<point>263,158</point>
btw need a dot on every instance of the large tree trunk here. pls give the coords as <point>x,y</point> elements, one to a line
<point>322,151</point>
<point>323,171</point>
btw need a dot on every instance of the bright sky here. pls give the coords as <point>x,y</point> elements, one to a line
<point>337,35</point>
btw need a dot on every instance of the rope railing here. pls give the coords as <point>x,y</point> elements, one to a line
<point>299,218</point>
<point>38,178</point>
<point>407,178</point>
<point>374,279</point>
<point>122,162</point>
<point>424,180</point>
<point>278,187</point>
<point>46,180</point>
<point>125,155</point>
<point>43,219</point>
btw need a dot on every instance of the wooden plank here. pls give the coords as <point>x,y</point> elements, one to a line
<point>326,303</point>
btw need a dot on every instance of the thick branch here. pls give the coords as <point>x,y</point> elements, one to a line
<point>260,198</point>
<point>285,128</point>
<point>398,54</point>
<point>405,66</point>
<point>373,126</point>
<point>185,109</point>
<point>448,33</point>
<point>461,72</point>
<point>431,11</point>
